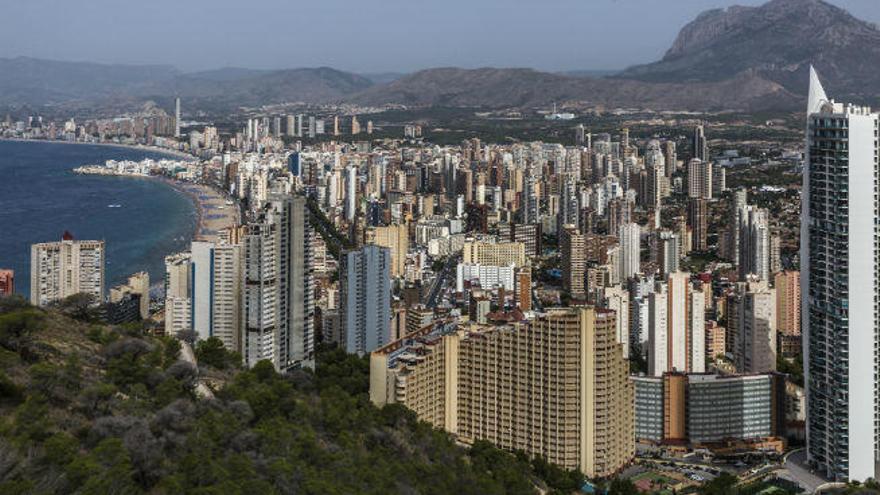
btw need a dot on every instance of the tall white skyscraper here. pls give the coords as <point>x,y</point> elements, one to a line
<point>839,277</point>
<point>629,236</point>
<point>216,293</point>
<point>296,304</point>
<point>365,292</point>
<point>177,117</point>
<point>62,269</point>
<point>279,308</point>
<point>752,319</point>
<point>754,243</point>
<point>699,145</point>
<point>667,248</point>
<point>699,179</point>
<point>350,193</point>
<point>677,327</point>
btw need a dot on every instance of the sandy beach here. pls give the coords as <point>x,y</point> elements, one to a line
<point>214,213</point>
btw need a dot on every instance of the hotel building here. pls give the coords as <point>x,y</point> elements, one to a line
<point>556,387</point>
<point>62,269</point>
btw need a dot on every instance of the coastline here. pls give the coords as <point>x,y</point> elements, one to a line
<point>205,199</point>
<point>212,212</point>
<point>138,147</point>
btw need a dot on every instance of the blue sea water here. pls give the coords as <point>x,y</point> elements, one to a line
<point>40,198</point>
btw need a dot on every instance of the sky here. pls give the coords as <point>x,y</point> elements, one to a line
<point>361,36</point>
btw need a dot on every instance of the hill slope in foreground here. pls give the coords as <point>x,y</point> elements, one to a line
<point>85,408</point>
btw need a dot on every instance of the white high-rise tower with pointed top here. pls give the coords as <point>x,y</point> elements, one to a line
<point>840,246</point>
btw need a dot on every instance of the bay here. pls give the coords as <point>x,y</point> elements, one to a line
<point>40,198</point>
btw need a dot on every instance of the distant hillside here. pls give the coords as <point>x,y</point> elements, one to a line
<point>777,42</point>
<point>29,81</point>
<point>500,88</point>
<point>235,87</point>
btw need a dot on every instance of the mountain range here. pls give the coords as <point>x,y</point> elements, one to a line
<point>739,58</point>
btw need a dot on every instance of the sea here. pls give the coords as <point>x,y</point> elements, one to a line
<point>41,198</point>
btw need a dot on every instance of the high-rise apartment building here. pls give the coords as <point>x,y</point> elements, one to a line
<point>296,336</point>
<point>730,247</point>
<point>788,302</point>
<point>670,157</point>
<point>489,383</point>
<point>698,221</point>
<point>261,319</point>
<point>395,238</point>
<point>677,327</point>
<point>668,252</point>
<point>62,269</point>
<point>494,253</point>
<point>754,243</point>
<point>351,188</point>
<point>178,294</point>
<point>365,298</point>
<point>839,283</point>
<point>699,146</point>
<point>752,320</point>
<point>216,292</point>
<point>7,282</point>
<point>699,179</point>
<point>177,117</point>
<point>616,298</point>
<point>630,250</point>
<point>573,254</point>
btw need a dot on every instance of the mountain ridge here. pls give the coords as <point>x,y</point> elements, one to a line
<point>738,58</point>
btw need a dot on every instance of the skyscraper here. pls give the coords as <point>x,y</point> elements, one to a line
<point>698,221</point>
<point>668,248</point>
<point>177,117</point>
<point>677,327</point>
<point>629,236</point>
<point>351,193</point>
<point>738,201</point>
<point>279,307</point>
<point>788,302</point>
<point>7,282</point>
<point>296,341</point>
<point>839,282</point>
<point>490,383</point>
<point>698,144</point>
<point>573,253</point>
<point>395,238</point>
<point>365,293</point>
<point>754,243</point>
<point>670,156</point>
<point>178,293</point>
<point>62,269</point>
<point>752,319</point>
<point>260,325</point>
<point>216,292</point>
<point>699,179</point>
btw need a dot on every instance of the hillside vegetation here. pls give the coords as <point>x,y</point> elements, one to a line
<point>85,408</point>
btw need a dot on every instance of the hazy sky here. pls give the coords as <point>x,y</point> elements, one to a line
<point>362,36</point>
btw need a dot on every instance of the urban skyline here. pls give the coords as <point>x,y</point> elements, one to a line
<point>605,294</point>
